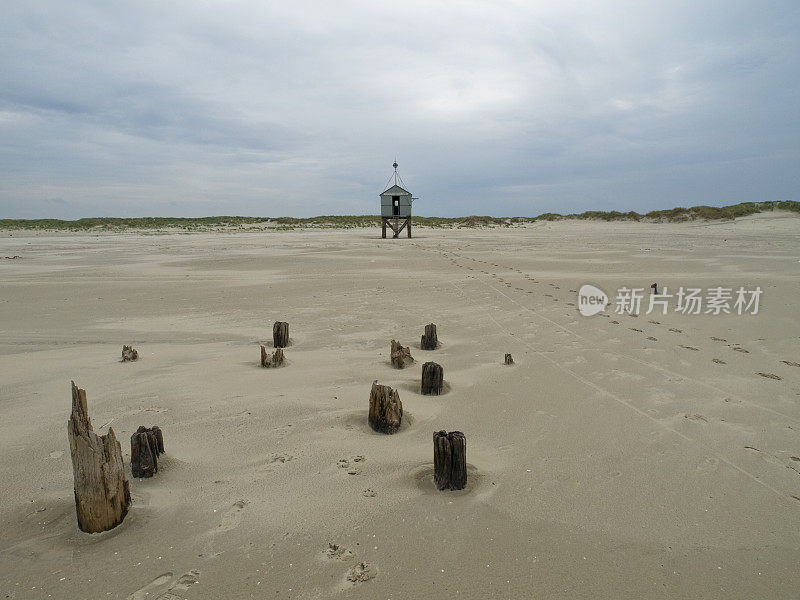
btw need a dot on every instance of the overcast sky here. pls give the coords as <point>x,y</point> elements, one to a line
<point>271,108</point>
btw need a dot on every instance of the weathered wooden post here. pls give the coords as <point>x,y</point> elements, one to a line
<point>509,360</point>
<point>274,360</point>
<point>102,493</point>
<point>385,408</point>
<point>450,460</point>
<point>432,379</point>
<point>429,340</point>
<point>129,353</point>
<point>280,334</point>
<point>146,445</point>
<point>400,355</point>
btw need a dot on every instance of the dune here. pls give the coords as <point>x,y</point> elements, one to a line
<point>620,456</point>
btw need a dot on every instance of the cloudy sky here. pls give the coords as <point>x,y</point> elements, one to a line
<point>270,108</point>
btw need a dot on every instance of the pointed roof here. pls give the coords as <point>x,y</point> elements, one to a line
<point>396,190</point>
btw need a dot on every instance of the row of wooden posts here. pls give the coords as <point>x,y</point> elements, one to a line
<point>386,414</point>
<point>386,410</point>
<point>102,492</point>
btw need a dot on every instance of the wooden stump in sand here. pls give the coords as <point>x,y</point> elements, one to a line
<point>273,360</point>
<point>146,445</point>
<point>385,408</point>
<point>450,460</point>
<point>128,354</point>
<point>102,494</point>
<point>429,340</point>
<point>400,355</point>
<point>509,360</point>
<point>280,334</point>
<point>432,379</point>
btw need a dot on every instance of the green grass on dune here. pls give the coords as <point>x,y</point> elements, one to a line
<point>352,221</point>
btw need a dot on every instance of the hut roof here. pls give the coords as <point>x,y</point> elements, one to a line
<point>396,190</point>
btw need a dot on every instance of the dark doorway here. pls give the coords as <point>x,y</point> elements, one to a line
<point>396,206</point>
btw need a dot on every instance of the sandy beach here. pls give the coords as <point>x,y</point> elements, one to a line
<point>649,456</point>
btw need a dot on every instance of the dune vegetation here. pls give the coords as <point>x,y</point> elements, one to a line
<point>352,221</point>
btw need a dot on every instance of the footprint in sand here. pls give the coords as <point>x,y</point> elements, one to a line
<point>676,330</point>
<point>738,349</point>
<point>689,348</point>
<point>790,363</point>
<point>615,322</point>
<point>696,418</point>
<point>769,375</point>
<point>231,519</point>
<point>634,329</point>
<point>708,465</point>
<point>718,361</point>
<point>651,338</point>
<point>337,552</point>
<point>159,583</point>
<point>716,339</point>
<point>155,589</point>
<point>361,572</point>
<point>368,493</point>
<point>655,322</point>
<point>281,458</point>
<point>345,463</point>
<point>185,581</point>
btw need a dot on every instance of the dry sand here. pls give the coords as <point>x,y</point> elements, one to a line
<point>621,457</point>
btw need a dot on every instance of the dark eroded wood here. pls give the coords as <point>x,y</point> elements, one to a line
<point>401,355</point>
<point>385,408</point>
<point>271,360</point>
<point>146,445</point>
<point>432,379</point>
<point>280,334</point>
<point>429,339</point>
<point>450,460</point>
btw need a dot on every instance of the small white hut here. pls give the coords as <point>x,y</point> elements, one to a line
<point>396,205</point>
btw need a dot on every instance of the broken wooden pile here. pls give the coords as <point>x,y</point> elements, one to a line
<point>450,460</point>
<point>271,360</point>
<point>400,355</point>
<point>102,493</point>
<point>429,340</point>
<point>280,334</point>
<point>146,445</point>
<point>385,408</point>
<point>432,379</point>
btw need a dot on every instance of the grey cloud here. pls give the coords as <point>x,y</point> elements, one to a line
<point>300,108</point>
